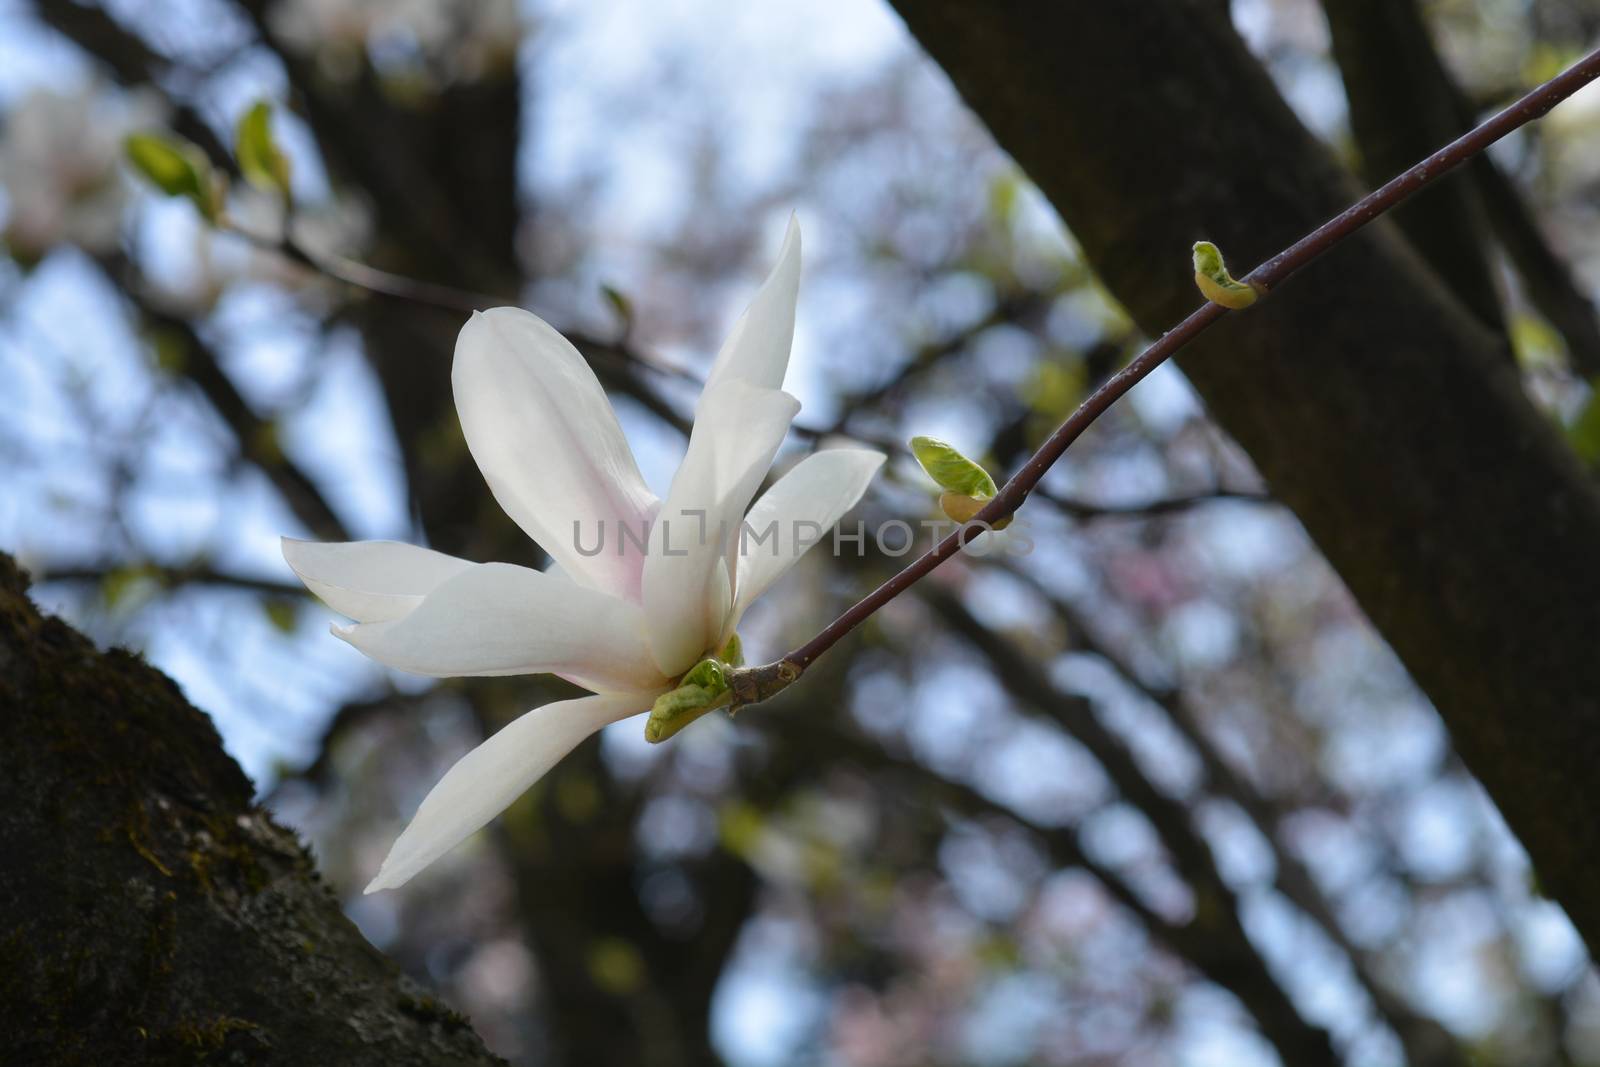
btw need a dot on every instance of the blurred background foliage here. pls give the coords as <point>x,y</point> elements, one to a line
<point>1155,793</point>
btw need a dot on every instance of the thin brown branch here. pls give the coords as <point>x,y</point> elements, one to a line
<point>369,279</point>
<point>1385,55</point>
<point>1269,274</point>
<point>615,361</point>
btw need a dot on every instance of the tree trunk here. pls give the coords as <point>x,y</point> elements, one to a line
<point>1380,410</point>
<point>152,913</point>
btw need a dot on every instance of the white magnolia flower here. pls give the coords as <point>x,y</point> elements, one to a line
<point>624,622</point>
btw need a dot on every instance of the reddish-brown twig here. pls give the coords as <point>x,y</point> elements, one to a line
<point>1279,267</point>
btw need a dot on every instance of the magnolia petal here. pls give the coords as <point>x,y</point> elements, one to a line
<point>757,351</point>
<point>370,581</point>
<point>495,619</point>
<point>485,781</point>
<point>737,431</point>
<point>795,514</point>
<point>549,445</point>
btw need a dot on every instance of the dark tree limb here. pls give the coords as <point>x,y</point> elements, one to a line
<point>256,437</point>
<point>149,911</point>
<point>1389,421</point>
<point>1403,102</point>
<point>1403,105</point>
<point>624,989</point>
<point>442,178</point>
<point>1546,278</point>
<point>196,361</point>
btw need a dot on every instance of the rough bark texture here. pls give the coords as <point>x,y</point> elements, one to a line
<point>1388,418</point>
<point>153,914</point>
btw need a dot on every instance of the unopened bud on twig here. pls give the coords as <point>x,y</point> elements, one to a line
<point>705,688</point>
<point>1216,284</point>
<point>967,486</point>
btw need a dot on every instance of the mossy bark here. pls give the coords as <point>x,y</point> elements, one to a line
<point>149,912</point>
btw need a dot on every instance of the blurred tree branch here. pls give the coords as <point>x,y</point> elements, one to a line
<point>1074,508</point>
<point>1008,309</point>
<point>169,577</point>
<point>257,438</point>
<point>1222,948</point>
<point>1426,1042</point>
